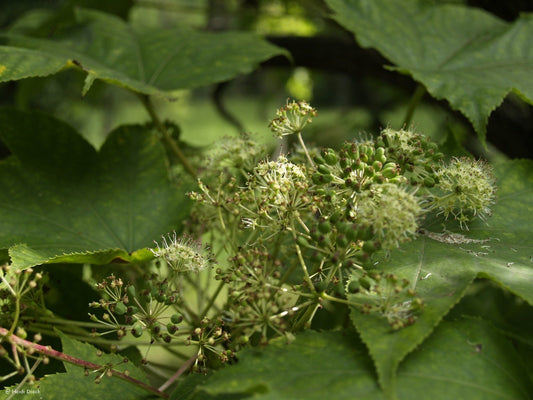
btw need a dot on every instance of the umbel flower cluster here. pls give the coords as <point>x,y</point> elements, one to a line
<point>301,228</point>
<point>296,235</point>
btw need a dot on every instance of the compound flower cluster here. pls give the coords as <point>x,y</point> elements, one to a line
<point>183,253</point>
<point>466,190</point>
<point>292,118</point>
<point>297,226</point>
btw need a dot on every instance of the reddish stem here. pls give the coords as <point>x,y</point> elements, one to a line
<point>48,351</point>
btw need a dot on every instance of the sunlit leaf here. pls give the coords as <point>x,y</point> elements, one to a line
<point>147,61</point>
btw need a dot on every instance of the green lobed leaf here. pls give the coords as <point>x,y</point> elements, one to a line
<point>74,383</point>
<point>442,266</point>
<point>464,359</point>
<point>511,315</point>
<point>186,389</point>
<point>464,55</point>
<point>64,202</point>
<point>143,60</point>
<point>315,366</point>
<point>440,292</point>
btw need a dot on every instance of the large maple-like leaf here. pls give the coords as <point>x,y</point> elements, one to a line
<point>62,201</point>
<point>464,55</point>
<point>148,61</point>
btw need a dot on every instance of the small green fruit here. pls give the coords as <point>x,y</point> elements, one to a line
<point>120,308</point>
<point>137,330</point>
<point>176,318</point>
<point>324,227</point>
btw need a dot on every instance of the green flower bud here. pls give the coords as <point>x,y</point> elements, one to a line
<point>323,169</point>
<point>176,318</point>
<point>21,333</point>
<point>389,170</point>
<point>137,330</point>
<point>380,155</point>
<point>352,232</point>
<point>370,247</point>
<point>132,310</point>
<point>315,234</point>
<point>335,217</point>
<point>343,162</point>
<point>319,160</point>
<point>120,308</point>
<point>341,226</point>
<point>353,151</point>
<point>341,240</point>
<point>317,178</point>
<point>365,233</point>
<point>324,227</point>
<point>327,178</point>
<point>330,157</point>
<point>302,241</point>
<point>171,328</point>
<point>131,292</point>
<point>359,165</point>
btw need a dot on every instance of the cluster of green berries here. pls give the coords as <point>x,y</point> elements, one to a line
<point>212,339</point>
<point>128,310</point>
<point>415,155</point>
<point>292,118</point>
<point>355,167</point>
<point>368,202</point>
<point>255,310</point>
<point>326,213</point>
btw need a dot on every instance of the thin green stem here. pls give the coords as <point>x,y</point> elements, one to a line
<point>17,315</point>
<point>167,139</point>
<point>212,299</point>
<point>61,321</point>
<point>419,92</point>
<point>30,371</point>
<point>305,320</point>
<point>326,296</point>
<point>300,139</point>
<point>307,279</point>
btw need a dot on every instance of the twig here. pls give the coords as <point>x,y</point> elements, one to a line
<point>48,351</point>
<point>178,373</point>
<point>171,143</point>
